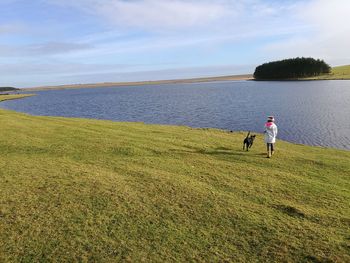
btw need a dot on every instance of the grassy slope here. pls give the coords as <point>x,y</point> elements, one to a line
<point>88,190</point>
<point>14,97</point>
<point>341,72</point>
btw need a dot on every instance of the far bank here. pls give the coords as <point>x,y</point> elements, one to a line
<point>142,83</point>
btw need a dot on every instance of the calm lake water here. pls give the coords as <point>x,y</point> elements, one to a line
<point>308,112</point>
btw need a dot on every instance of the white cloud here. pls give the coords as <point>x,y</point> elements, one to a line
<point>44,49</point>
<point>152,14</point>
<point>328,37</point>
<point>160,33</point>
<point>159,14</point>
<point>59,68</point>
<point>330,17</point>
<point>10,28</point>
<point>182,23</point>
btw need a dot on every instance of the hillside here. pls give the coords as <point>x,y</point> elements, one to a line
<point>141,83</point>
<point>341,72</point>
<point>80,190</point>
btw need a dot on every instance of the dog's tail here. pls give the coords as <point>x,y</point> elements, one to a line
<point>248,135</point>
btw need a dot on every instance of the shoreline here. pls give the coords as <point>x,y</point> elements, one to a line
<point>247,77</point>
<point>21,96</point>
<point>141,83</point>
<point>338,73</point>
<point>14,96</point>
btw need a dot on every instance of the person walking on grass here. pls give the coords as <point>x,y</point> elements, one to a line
<point>270,135</point>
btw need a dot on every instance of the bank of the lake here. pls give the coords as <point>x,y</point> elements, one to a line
<point>143,83</point>
<point>89,190</point>
<point>338,73</point>
<point>14,96</point>
<point>308,112</point>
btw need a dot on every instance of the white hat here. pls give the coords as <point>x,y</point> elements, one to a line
<point>271,118</point>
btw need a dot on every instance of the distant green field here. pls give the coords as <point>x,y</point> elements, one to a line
<point>79,190</point>
<point>341,72</point>
<point>13,97</point>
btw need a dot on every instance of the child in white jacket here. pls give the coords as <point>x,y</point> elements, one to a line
<point>270,135</point>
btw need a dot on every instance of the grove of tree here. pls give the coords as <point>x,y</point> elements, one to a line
<point>291,69</point>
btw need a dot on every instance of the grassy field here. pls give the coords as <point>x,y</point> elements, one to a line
<point>14,96</point>
<point>79,190</point>
<point>341,72</point>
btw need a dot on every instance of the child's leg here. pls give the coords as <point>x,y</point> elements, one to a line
<point>272,148</point>
<point>268,146</point>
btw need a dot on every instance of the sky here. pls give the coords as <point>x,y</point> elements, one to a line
<point>54,42</point>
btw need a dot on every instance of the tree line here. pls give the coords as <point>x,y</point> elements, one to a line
<point>7,89</point>
<point>292,68</point>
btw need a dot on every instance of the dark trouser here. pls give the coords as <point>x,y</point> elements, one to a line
<point>270,146</point>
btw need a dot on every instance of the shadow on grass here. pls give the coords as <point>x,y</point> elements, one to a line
<point>222,151</point>
<point>290,210</point>
<point>315,259</point>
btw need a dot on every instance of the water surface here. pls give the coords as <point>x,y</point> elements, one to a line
<point>308,112</point>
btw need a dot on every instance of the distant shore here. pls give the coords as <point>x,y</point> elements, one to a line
<point>4,97</point>
<point>141,83</point>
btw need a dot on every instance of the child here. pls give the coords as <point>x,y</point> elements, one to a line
<point>270,135</point>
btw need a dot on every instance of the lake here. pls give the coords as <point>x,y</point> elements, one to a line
<point>307,112</point>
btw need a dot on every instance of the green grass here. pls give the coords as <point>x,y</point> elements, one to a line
<point>14,96</point>
<point>341,72</point>
<point>79,190</point>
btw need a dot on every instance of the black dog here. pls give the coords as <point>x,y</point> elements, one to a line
<point>248,141</point>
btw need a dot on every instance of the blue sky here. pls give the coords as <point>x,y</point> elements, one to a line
<point>50,42</point>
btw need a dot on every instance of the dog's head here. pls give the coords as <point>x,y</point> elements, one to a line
<point>252,137</point>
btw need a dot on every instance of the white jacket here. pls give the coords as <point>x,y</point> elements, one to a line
<point>270,132</point>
